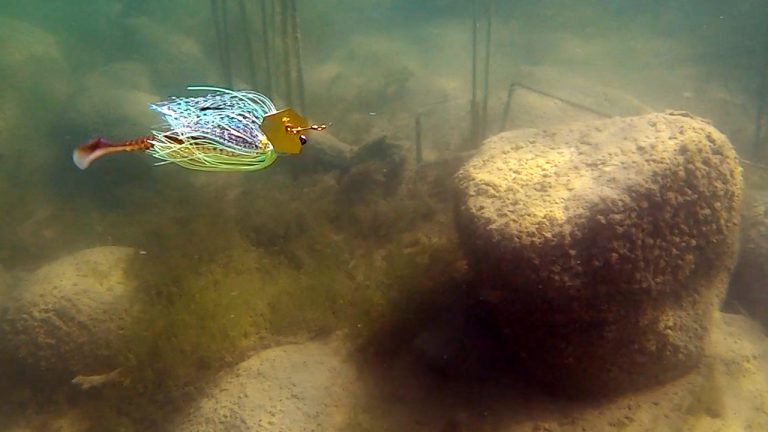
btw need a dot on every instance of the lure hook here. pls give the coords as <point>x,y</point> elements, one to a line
<point>295,130</point>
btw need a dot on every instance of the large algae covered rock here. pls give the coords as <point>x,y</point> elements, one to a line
<point>608,245</point>
<point>70,317</point>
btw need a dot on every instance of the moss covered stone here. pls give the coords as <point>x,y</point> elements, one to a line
<point>302,387</point>
<point>70,317</point>
<point>606,246</point>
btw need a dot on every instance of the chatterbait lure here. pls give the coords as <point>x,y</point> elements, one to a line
<point>225,130</point>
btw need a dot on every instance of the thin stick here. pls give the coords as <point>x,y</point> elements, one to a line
<point>248,43</point>
<point>216,25</point>
<point>507,107</point>
<point>216,16</point>
<point>754,164</point>
<point>279,73</point>
<point>473,112</point>
<point>486,78</point>
<point>225,42</point>
<point>287,52</point>
<point>296,42</point>
<point>757,150</point>
<point>418,138</point>
<point>267,47</point>
<point>565,101</point>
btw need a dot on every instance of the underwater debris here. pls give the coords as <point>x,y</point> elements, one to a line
<point>85,382</point>
<point>326,154</point>
<point>375,174</point>
<point>376,169</point>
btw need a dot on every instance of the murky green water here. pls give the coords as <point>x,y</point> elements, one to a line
<point>330,290</point>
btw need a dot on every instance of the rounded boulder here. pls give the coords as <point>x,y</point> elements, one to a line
<point>70,316</point>
<point>605,247</point>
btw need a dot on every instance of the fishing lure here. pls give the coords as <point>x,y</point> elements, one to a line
<point>225,130</point>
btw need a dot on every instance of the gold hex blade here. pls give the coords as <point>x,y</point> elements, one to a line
<point>277,127</point>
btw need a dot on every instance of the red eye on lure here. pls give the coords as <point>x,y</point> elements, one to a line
<point>222,131</point>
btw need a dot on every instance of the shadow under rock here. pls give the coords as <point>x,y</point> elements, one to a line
<point>442,364</point>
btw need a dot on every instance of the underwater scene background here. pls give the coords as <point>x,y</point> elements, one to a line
<point>524,216</point>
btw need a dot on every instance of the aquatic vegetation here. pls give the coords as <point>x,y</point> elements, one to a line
<point>386,163</point>
<point>213,296</point>
<point>378,198</point>
<point>209,304</point>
